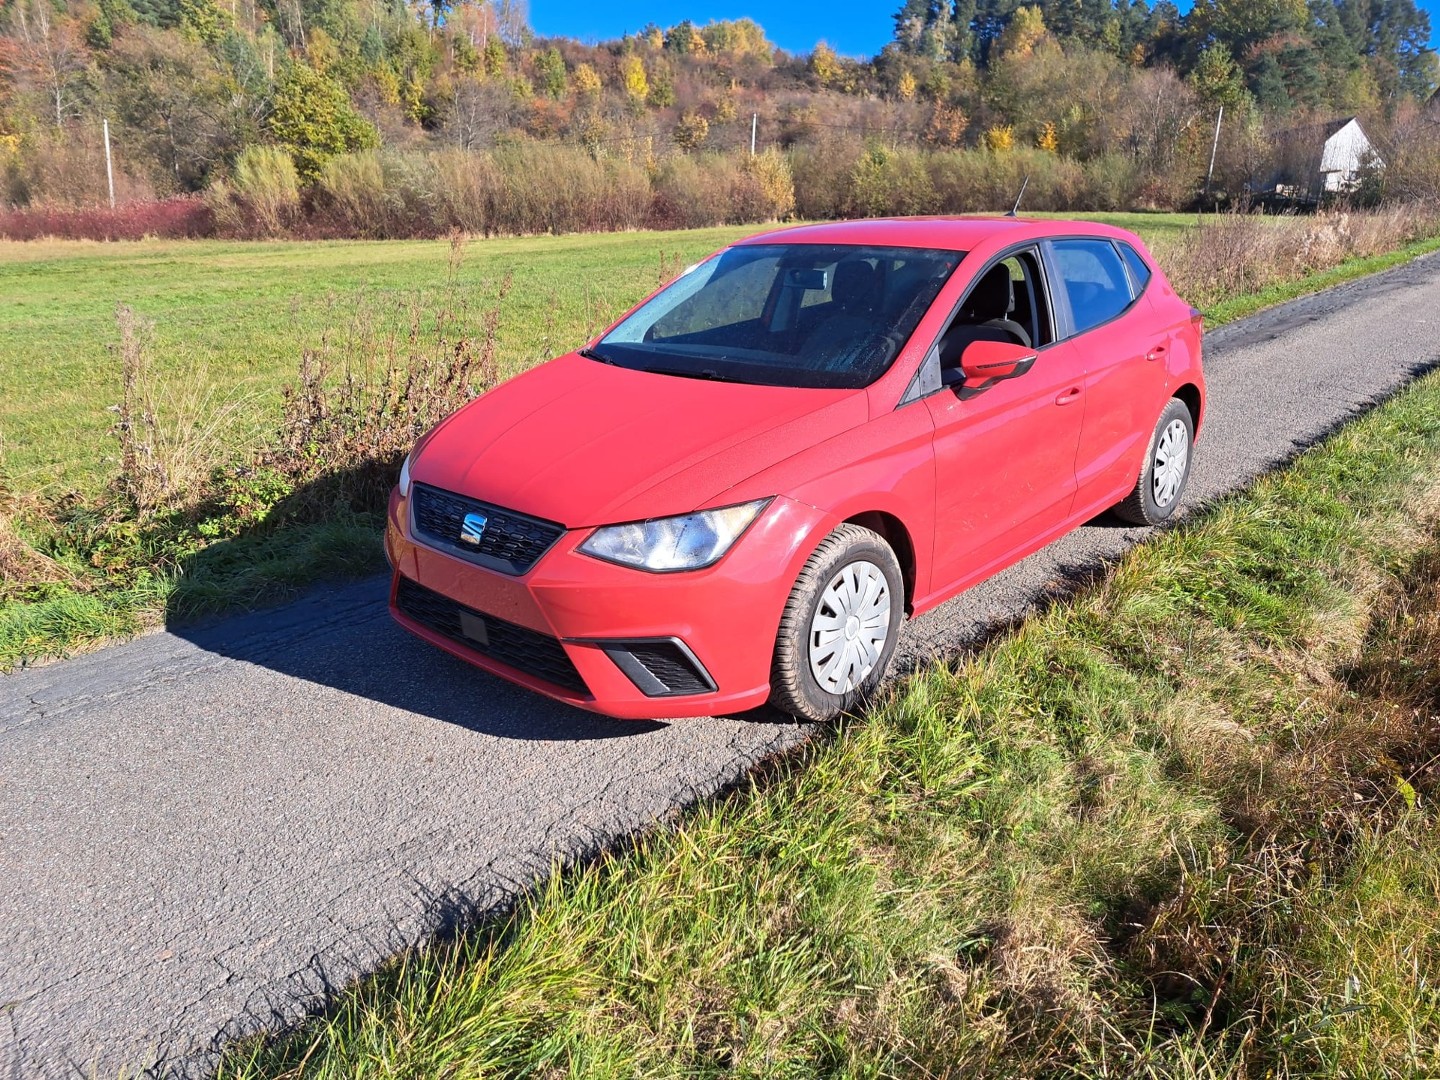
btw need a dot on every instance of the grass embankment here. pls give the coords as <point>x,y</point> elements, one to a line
<point>1181,825</point>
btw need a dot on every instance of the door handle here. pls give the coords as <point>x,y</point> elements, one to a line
<point>1069,396</point>
<point>1156,353</point>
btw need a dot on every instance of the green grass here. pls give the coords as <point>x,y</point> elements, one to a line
<point>1178,826</point>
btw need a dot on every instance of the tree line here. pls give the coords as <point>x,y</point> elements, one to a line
<point>242,97</point>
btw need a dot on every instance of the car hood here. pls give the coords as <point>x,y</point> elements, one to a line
<point>585,443</point>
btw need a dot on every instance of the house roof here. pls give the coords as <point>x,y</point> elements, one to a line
<point>1324,129</point>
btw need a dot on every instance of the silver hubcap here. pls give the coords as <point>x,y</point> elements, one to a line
<point>848,632</point>
<point>1172,454</point>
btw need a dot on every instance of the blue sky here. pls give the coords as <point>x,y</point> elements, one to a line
<point>853,27</point>
<point>858,29</point>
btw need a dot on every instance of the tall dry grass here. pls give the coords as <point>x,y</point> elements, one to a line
<point>264,197</point>
<point>172,430</point>
<point>373,385</point>
<point>1239,253</point>
<point>23,567</point>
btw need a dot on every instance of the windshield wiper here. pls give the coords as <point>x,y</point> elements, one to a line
<point>703,373</point>
<point>591,354</point>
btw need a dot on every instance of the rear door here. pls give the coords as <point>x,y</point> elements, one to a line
<point>1122,349</point>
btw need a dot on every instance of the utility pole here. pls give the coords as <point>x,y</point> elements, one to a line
<point>109,171</point>
<point>1214,146</point>
<point>754,122</point>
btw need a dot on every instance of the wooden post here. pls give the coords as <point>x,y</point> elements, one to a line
<point>109,170</point>
<point>1214,146</point>
<point>754,121</point>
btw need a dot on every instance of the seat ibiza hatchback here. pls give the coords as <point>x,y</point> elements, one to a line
<point>737,492</point>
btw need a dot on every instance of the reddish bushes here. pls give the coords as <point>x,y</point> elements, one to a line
<point>180,218</point>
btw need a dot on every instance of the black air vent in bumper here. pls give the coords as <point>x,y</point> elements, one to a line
<point>660,667</point>
<point>510,542</point>
<point>536,654</point>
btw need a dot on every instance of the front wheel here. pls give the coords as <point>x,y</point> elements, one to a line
<point>1167,467</point>
<point>839,627</point>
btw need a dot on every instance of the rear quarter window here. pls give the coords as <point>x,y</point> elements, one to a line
<point>1093,279</point>
<point>1139,271</point>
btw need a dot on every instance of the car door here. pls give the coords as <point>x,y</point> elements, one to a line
<point>1005,457</point>
<point>1123,353</point>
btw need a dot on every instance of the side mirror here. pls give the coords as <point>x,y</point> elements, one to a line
<point>984,363</point>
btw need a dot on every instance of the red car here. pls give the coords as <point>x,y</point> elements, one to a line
<point>736,492</point>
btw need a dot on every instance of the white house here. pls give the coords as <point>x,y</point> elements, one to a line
<point>1321,159</point>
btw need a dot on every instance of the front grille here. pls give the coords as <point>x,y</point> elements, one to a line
<point>661,667</point>
<point>525,650</point>
<point>511,543</point>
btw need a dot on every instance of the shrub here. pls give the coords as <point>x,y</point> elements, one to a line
<point>314,120</point>
<point>1111,182</point>
<point>886,182</point>
<point>379,195</point>
<point>64,170</point>
<point>181,218</point>
<point>973,181</point>
<point>1238,253</point>
<point>721,189</point>
<point>821,173</point>
<point>464,182</point>
<point>545,188</point>
<point>265,177</point>
<point>771,174</point>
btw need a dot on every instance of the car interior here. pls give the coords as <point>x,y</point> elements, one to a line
<point>832,315</point>
<point>1007,304</point>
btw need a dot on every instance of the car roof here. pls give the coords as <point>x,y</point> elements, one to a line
<point>943,233</point>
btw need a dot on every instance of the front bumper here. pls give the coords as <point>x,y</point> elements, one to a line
<point>726,615</point>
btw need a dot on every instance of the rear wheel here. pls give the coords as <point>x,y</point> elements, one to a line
<point>838,631</point>
<point>1167,467</point>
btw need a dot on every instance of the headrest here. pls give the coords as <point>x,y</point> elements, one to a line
<point>854,283</point>
<point>993,296</point>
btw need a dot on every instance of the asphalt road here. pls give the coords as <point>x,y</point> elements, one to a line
<point>202,831</point>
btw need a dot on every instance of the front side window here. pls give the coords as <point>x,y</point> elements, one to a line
<point>810,315</point>
<point>1093,278</point>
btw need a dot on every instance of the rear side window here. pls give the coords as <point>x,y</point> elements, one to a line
<point>1094,281</point>
<point>1139,272</point>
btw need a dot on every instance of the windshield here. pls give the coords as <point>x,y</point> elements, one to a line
<point>813,315</point>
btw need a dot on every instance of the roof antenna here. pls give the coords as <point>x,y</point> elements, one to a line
<point>1016,208</point>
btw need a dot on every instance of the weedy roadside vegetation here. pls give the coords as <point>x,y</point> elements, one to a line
<point>187,526</point>
<point>193,520</point>
<point>1239,255</point>
<point>1179,825</point>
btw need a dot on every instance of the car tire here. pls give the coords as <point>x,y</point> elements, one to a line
<point>1165,470</point>
<point>820,672</point>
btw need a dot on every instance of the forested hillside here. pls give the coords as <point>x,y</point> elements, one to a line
<point>378,118</point>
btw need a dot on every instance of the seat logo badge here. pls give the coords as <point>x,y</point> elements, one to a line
<point>473,528</point>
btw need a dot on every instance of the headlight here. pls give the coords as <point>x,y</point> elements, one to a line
<point>688,542</point>
<point>404,484</point>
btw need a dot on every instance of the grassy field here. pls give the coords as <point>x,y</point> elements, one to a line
<point>1179,826</point>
